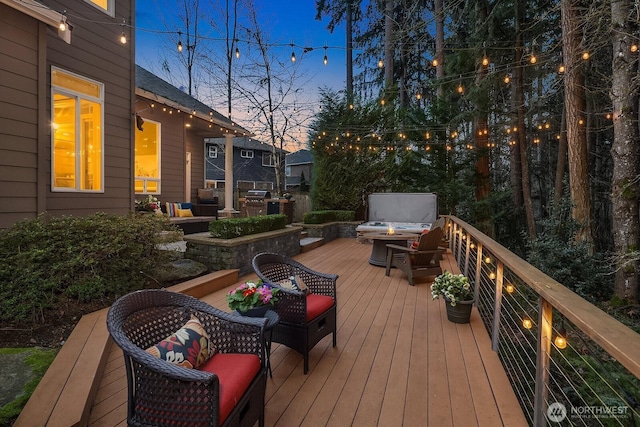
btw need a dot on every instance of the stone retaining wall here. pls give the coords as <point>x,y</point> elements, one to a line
<point>331,230</point>
<point>224,254</point>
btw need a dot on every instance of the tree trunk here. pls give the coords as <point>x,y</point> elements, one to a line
<point>388,45</point>
<point>517,97</point>
<point>624,152</point>
<point>439,15</point>
<point>349,32</point>
<point>562,159</point>
<point>576,134</point>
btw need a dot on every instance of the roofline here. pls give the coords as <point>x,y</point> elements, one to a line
<point>36,10</point>
<point>208,118</point>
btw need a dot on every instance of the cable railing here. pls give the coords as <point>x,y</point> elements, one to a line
<point>569,362</point>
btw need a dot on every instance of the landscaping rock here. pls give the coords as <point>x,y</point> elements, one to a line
<point>180,270</point>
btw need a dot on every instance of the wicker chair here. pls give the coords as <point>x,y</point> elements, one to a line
<point>420,262</point>
<point>161,393</point>
<point>304,319</point>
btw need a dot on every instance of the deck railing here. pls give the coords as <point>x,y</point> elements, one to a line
<point>591,378</point>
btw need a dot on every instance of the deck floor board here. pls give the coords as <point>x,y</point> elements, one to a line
<point>398,361</point>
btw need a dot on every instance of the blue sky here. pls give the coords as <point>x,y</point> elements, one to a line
<point>285,21</point>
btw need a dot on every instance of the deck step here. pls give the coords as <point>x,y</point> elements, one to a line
<point>308,243</point>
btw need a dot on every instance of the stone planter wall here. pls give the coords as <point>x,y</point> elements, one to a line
<point>223,254</point>
<point>331,230</point>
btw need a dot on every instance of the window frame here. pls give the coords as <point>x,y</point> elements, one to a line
<point>270,156</point>
<point>145,180</point>
<point>78,126</point>
<point>110,10</point>
<point>213,147</point>
<point>246,154</point>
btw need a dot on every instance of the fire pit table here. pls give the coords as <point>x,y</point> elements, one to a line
<point>379,244</point>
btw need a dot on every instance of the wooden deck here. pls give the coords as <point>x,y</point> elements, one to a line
<point>398,360</point>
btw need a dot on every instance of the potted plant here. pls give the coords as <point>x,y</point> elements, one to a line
<point>252,299</point>
<point>457,293</point>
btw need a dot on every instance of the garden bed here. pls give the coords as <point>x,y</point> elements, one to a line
<point>331,230</point>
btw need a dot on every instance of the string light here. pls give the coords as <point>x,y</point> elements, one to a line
<point>527,323</point>
<point>585,55</point>
<point>179,45</point>
<point>123,36</point>
<point>562,68</point>
<point>634,48</point>
<point>237,52</point>
<point>507,79</point>
<point>434,62</point>
<point>380,63</point>
<point>63,22</point>
<point>325,60</point>
<point>561,338</point>
<point>293,54</point>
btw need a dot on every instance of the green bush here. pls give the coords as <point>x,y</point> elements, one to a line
<point>230,228</point>
<point>320,217</point>
<point>95,258</point>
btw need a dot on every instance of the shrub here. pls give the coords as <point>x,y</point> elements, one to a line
<point>320,217</point>
<point>230,228</point>
<point>95,258</point>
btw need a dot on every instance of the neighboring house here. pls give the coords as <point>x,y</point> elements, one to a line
<point>298,170</point>
<point>65,108</point>
<point>170,147</point>
<point>254,164</point>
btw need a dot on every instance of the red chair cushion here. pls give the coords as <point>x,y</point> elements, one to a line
<point>317,304</point>
<point>235,372</point>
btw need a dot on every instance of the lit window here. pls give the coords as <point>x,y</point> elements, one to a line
<point>213,152</point>
<point>147,159</point>
<point>246,154</point>
<point>268,159</point>
<point>78,133</point>
<point>104,5</point>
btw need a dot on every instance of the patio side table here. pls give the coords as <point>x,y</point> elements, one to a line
<point>272,320</point>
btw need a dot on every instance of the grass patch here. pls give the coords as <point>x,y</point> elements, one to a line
<point>39,360</point>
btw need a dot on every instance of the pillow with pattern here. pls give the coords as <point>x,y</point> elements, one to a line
<point>294,283</point>
<point>188,347</point>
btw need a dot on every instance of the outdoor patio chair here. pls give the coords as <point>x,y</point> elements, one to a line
<point>421,262</point>
<point>305,317</point>
<point>226,389</point>
<point>442,223</point>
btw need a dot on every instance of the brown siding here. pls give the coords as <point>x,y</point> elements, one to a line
<point>18,116</point>
<point>96,53</point>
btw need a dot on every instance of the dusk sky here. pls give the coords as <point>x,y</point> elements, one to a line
<point>285,22</point>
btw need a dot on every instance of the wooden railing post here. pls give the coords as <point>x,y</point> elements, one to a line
<point>497,307</point>
<point>476,288</point>
<point>545,331</point>
<point>467,254</point>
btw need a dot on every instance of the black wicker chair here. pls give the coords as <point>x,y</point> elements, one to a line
<point>161,393</point>
<point>296,329</point>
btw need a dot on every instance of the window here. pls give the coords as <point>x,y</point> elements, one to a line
<point>246,154</point>
<point>213,152</point>
<point>147,159</point>
<point>287,171</point>
<point>268,159</point>
<point>77,147</point>
<point>104,5</point>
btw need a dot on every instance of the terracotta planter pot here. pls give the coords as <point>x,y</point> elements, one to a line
<point>460,313</point>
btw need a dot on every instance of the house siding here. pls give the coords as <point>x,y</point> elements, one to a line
<point>96,53</point>
<point>19,56</point>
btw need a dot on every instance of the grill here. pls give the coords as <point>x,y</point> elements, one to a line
<point>255,202</point>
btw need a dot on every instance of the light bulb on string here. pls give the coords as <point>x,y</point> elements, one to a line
<point>237,53</point>
<point>380,63</point>
<point>561,338</point>
<point>507,79</point>
<point>562,68</point>
<point>293,54</point>
<point>634,48</point>
<point>63,22</point>
<point>123,36</point>
<point>325,60</point>
<point>585,55</point>
<point>532,58</point>
<point>434,62</point>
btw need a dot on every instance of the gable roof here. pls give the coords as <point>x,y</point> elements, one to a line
<point>300,157</point>
<point>150,86</point>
